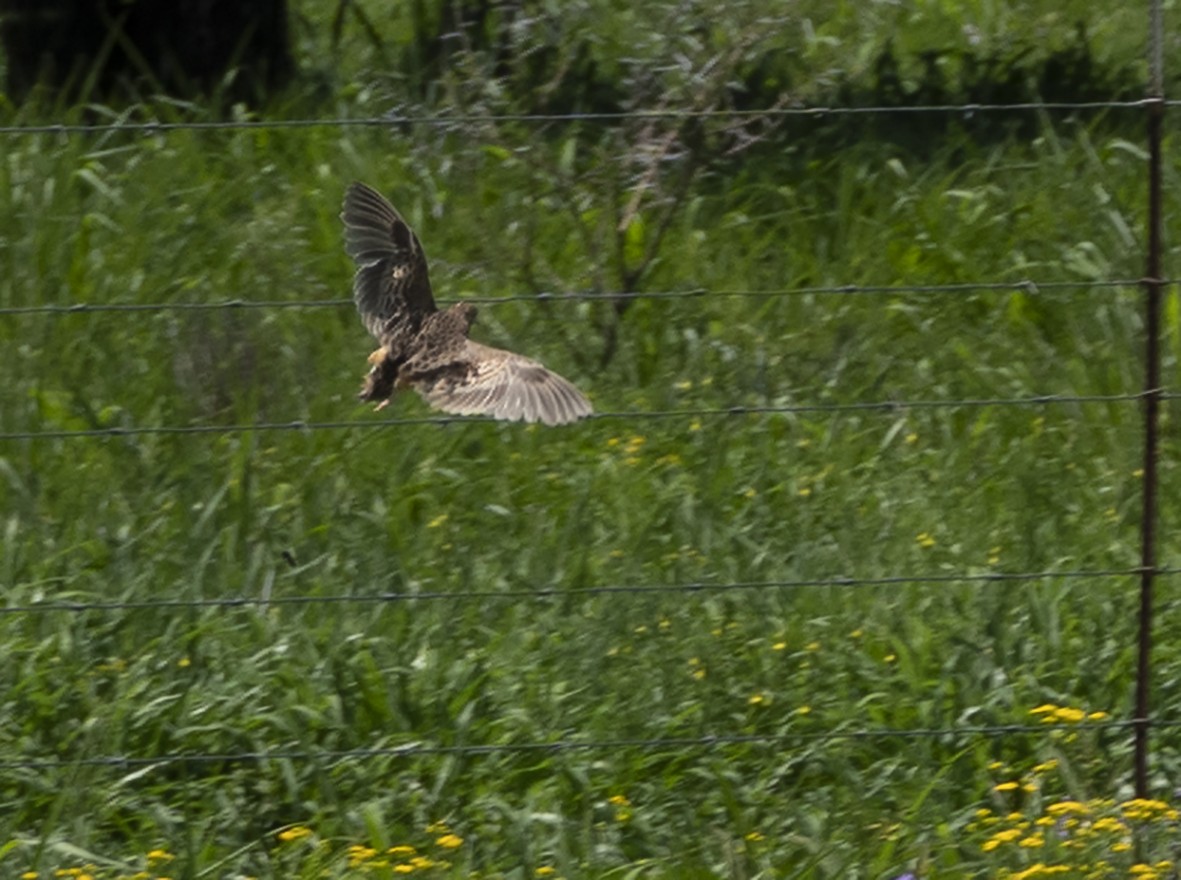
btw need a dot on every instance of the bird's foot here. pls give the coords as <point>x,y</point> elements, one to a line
<point>382,405</point>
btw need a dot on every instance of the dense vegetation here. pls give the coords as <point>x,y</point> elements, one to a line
<point>399,611</point>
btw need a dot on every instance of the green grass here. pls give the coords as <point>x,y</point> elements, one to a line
<point>436,512</point>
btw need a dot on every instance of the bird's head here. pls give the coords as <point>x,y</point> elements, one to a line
<point>466,311</point>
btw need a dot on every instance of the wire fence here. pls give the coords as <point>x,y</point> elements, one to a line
<point>457,119</point>
<point>1026,286</point>
<point>1152,395</point>
<point>880,406</point>
<point>546,593</point>
<point>707,741</point>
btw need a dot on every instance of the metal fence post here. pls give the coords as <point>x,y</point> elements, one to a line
<point>1153,284</point>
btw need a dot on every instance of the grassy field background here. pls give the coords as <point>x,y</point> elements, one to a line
<point>442,586</point>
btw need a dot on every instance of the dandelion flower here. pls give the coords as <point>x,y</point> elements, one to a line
<point>450,841</point>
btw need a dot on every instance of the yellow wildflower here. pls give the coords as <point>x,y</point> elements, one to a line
<point>401,850</point>
<point>1109,823</point>
<point>619,800</point>
<point>450,841</point>
<point>544,871</point>
<point>287,835</point>
<point>1006,786</point>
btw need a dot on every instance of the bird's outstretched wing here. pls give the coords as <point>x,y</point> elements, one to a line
<point>391,279</point>
<point>490,381</point>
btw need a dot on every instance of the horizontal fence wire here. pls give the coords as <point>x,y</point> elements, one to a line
<point>395,118</point>
<point>707,741</point>
<point>544,593</point>
<point>883,406</point>
<point>1023,286</point>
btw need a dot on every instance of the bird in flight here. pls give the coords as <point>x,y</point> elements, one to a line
<point>427,349</point>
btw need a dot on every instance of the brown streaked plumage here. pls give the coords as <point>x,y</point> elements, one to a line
<point>429,350</point>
